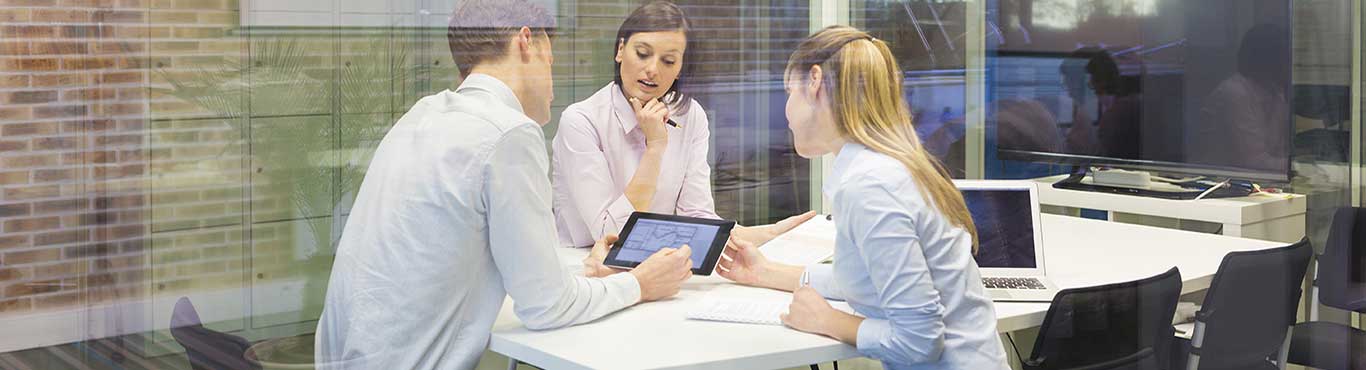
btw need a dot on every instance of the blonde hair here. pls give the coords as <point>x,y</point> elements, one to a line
<point>864,84</point>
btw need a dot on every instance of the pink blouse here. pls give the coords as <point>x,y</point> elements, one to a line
<point>595,154</point>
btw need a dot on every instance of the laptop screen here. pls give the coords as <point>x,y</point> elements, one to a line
<point>1005,227</point>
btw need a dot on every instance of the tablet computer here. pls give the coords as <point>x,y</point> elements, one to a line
<point>646,233</point>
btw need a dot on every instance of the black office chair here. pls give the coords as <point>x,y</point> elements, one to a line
<point>1248,310</point>
<point>207,349</point>
<point>1123,326</point>
<point>1341,285</point>
<point>1330,103</point>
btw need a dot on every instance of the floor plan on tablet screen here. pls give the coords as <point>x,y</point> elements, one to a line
<point>648,236</point>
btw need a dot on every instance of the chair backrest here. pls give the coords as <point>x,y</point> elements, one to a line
<point>1116,326</point>
<point>1341,279</point>
<point>207,349</point>
<point>1249,306</point>
<point>1330,103</point>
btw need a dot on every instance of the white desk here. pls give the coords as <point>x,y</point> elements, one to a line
<point>655,335</point>
<point>1257,217</point>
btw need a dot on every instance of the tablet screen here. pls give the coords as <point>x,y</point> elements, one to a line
<point>649,236</point>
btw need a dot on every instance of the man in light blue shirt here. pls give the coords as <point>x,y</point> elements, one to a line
<point>454,215</point>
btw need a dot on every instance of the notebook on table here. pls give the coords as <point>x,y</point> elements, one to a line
<point>748,306</point>
<point>811,242</point>
<point>739,311</point>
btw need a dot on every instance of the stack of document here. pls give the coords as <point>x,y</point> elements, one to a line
<point>740,310</point>
<point>748,306</point>
<point>811,242</point>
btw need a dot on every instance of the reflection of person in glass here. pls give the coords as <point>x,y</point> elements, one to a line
<point>903,258</point>
<point>1113,131</point>
<point>640,143</point>
<point>454,216</point>
<point>1244,121</point>
<point>1024,124</point>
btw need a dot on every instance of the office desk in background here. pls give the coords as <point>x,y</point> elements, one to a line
<point>1079,252</point>
<point>1276,218</point>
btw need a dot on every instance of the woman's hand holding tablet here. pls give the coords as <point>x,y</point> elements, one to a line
<point>592,265</point>
<point>647,233</point>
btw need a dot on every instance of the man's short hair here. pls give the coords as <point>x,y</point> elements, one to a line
<point>479,30</point>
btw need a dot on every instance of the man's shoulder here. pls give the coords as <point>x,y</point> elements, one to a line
<point>470,119</point>
<point>598,103</point>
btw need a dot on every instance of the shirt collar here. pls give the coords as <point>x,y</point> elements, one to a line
<point>626,115</point>
<point>848,153</point>
<point>493,86</point>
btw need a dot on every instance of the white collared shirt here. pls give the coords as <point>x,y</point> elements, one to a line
<point>452,217</point>
<point>596,152</point>
<point>907,268</point>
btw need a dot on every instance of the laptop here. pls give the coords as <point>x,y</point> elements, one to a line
<point>1010,251</point>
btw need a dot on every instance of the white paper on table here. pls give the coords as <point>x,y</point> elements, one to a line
<point>740,311</point>
<point>748,306</point>
<point>811,242</point>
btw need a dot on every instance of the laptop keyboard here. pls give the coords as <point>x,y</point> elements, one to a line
<point>1012,283</point>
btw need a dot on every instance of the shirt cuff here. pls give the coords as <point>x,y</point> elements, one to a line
<point>870,335</point>
<point>617,213</point>
<point>624,285</point>
<point>822,279</point>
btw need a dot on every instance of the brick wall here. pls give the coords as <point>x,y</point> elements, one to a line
<point>86,138</point>
<point>71,132</point>
<point>117,184</point>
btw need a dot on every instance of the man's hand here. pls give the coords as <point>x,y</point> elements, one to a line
<point>663,274</point>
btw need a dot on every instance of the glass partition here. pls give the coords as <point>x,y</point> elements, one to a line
<point>154,152</point>
<point>173,161</point>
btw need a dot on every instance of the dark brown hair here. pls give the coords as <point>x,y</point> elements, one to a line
<point>661,16</point>
<point>479,30</point>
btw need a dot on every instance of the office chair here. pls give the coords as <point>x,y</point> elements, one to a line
<point>207,349</point>
<point>1331,104</point>
<point>1248,311</point>
<point>1340,284</point>
<point>1123,326</point>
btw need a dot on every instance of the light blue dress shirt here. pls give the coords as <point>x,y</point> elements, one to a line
<point>907,268</point>
<point>453,217</point>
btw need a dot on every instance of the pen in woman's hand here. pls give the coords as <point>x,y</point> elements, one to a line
<point>668,121</point>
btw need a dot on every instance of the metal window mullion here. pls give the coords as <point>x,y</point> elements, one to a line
<point>975,90</point>
<point>824,13</point>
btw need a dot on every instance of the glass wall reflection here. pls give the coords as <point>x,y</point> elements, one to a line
<point>192,163</point>
<point>175,174</point>
<point>929,40</point>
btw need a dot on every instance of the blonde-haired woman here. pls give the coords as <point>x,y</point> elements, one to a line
<point>905,239</point>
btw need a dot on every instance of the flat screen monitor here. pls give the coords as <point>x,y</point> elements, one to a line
<point>1195,87</point>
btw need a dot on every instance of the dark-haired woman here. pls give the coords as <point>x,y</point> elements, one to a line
<point>640,143</point>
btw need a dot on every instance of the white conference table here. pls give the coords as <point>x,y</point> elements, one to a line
<point>1078,252</point>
